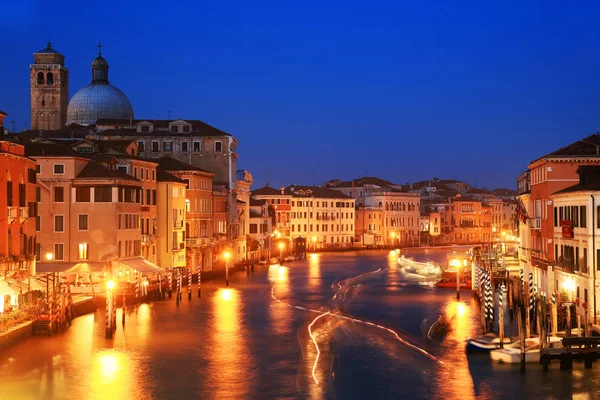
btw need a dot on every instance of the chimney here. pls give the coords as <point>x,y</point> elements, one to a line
<point>282,190</point>
<point>597,149</point>
<point>2,115</point>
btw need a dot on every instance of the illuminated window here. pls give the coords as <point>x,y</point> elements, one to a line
<point>83,251</point>
<point>187,205</point>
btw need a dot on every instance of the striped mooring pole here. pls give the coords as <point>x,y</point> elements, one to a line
<point>530,291</point>
<point>136,286</point>
<point>189,284</point>
<point>160,293</point>
<point>170,282</point>
<point>200,282</point>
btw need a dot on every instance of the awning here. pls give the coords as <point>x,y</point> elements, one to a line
<point>70,268</point>
<point>141,265</point>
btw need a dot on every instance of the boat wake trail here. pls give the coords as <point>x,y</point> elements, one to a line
<point>353,319</point>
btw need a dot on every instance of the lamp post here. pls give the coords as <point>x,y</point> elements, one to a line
<point>314,239</point>
<point>227,255</point>
<point>281,245</point>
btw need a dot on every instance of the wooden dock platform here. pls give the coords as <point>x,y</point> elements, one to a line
<point>574,348</point>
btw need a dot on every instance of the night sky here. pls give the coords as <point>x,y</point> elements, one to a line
<point>316,90</point>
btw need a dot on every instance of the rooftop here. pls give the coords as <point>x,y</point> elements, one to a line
<point>586,147</point>
<point>199,128</point>
<point>170,164</point>
<point>49,150</point>
<point>164,176</point>
<point>96,170</point>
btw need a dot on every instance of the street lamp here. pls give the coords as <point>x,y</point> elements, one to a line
<point>314,239</point>
<point>569,285</point>
<point>49,256</point>
<point>227,255</point>
<point>281,246</point>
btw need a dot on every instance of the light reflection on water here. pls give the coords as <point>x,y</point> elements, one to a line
<point>239,343</point>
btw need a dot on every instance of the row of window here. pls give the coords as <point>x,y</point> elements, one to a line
<point>128,221</point>
<point>129,248</point>
<point>49,78</point>
<point>147,174</point>
<point>254,228</point>
<point>103,194</point>
<point>576,214</point>
<point>324,227</point>
<point>167,146</point>
<point>22,199</point>
<point>323,215</point>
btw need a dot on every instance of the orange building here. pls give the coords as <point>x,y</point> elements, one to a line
<point>199,237</point>
<point>18,202</point>
<point>89,215</point>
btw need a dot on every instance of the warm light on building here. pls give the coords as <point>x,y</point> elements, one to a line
<point>83,251</point>
<point>110,285</point>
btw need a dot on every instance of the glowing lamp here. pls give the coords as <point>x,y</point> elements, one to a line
<point>226,255</point>
<point>110,285</point>
<point>49,256</point>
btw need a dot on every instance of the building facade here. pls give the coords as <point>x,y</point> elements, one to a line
<point>546,176</point>
<point>19,207</point>
<point>171,220</point>
<point>199,238</point>
<point>89,215</point>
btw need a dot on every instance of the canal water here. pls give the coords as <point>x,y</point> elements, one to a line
<point>257,339</point>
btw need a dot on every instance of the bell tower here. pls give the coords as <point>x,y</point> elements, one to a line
<point>49,83</point>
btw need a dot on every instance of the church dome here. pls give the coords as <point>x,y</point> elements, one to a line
<point>99,99</point>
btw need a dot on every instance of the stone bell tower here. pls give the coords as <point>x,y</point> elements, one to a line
<point>49,83</point>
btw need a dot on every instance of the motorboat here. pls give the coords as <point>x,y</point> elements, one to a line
<point>424,269</point>
<point>262,262</point>
<point>289,258</point>
<point>485,343</point>
<point>511,354</point>
<point>273,261</point>
<point>451,284</point>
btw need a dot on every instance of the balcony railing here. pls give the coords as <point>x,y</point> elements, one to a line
<point>13,213</point>
<point>199,242</point>
<point>23,213</point>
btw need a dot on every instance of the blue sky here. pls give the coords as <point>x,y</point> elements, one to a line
<point>319,90</point>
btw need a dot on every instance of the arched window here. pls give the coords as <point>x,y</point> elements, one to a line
<point>50,78</point>
<point>43,102</point>
<point>379,204</point>
<point>40,78</point>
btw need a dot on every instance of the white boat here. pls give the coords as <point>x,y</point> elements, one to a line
<point>511,354</point>
<point>289,258</point>
<point>422,269</point>
<point>262,262</point>
<point>273,261</point>
<point>485,343</point>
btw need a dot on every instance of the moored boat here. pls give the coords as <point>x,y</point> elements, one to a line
<point>451,284</point>
<point>485,343</point>
<point>511,354</point>
<point>273,261</point>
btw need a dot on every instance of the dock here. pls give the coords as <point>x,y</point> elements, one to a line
<point>574,348</point>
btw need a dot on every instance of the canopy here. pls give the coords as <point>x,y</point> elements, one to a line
<point>141,265</point>
<point>70,268</point>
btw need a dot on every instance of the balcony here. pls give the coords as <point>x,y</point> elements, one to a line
<point>199,242</point>
<point>178,224</point>
<point>148,239</point>
<point>535,223</point>
<point>23,213</point>
<point>13,213</point>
